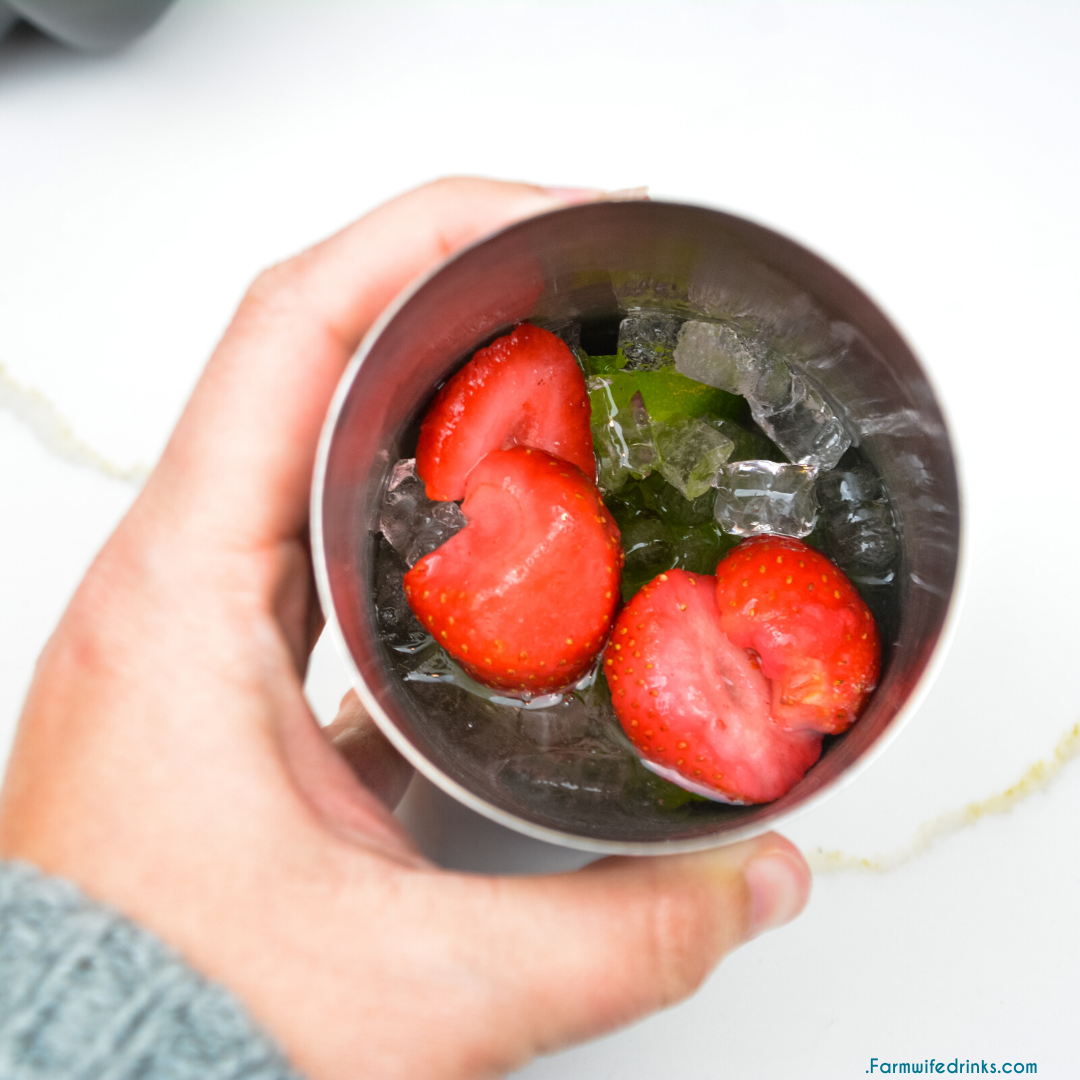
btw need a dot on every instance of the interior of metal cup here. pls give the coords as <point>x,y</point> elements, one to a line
<point>590,264</point>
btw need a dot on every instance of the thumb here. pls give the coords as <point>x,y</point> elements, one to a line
<point>628,936</point>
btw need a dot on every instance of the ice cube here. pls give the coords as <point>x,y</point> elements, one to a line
<point>770,384</point>
<point>716,355</point>
<point>807,430</point>
<point>757,497</point>
<point>858,524</point>
<point>412,523</point>
<point>692,453</point>
<point>748,444</point>
<point>861,538</point>
<point>445,520</point>
<point>624,440</point>
<point>611,472</point>
<point>647,340</point>
<point>792,413</point>
<point>608,441</point>
<point>398,624</point>
<point>401,505</point>
<point>449,516</point>
<point>855,485</point>
<point>403,470</point>
<point>641,450</point>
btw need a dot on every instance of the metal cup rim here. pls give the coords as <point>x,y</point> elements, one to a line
<point>766,820</point>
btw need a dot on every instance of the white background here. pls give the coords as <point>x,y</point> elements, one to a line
<point>929,150</point>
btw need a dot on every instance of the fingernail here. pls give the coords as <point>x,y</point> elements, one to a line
<point>779,887</point>
<point>572,195</point>
<point>630,194</point>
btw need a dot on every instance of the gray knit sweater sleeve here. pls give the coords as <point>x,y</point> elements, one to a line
<point>87,995</point>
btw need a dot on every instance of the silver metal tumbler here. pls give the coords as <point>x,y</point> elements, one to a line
<point>580,263</point>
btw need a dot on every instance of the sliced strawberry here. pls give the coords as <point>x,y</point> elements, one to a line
<point>525,389</point>
<point>817,640</point>
<point>524,595</point>
<point>693,702</point>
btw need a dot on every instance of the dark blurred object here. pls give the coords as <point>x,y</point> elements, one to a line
<point>95,25</point>
<point>7,19</point>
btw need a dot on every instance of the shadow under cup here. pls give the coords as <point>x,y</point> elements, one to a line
<point>590,263</point>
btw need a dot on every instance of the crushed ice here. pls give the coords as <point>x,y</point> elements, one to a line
<point>759,497</point>
<point>623,437</point>
<point>412,523</point>
<point>785,406</point>
<point>647,339</point>
<point>693,453</point>
<point>859,532</point>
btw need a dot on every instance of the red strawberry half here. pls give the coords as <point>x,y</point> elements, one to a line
<point>694,703</point>
<point>524,595</point>
<point>816,638</point>
<point>524,389</point>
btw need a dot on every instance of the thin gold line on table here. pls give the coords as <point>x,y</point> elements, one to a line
<point>1038,777</point>
<point>55,434</point>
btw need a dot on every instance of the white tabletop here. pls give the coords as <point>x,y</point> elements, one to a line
<point>930,151</point>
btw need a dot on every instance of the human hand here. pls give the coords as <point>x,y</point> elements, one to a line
<point>168,762</point>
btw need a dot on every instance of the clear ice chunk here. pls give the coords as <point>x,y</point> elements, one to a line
<point>716,355</point>
<point>412,523</point>
<point>647,340</point>
<point>758,497</point>
<point>399,626</point>
<point>806,430</point>
<point>692,454</point>
<point>790,411</point>
<point>611,473</point>
<point>748,444</point>
<point>400,505</point>
<point>771,385</point>
<point>855,485</point>
<point>858,524</point>
<point>404,470</point>
<point>445,520</point>
<point>608,441</point>
<point>861,538</point>
<point>642,453</point>
<point>624,441</point>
